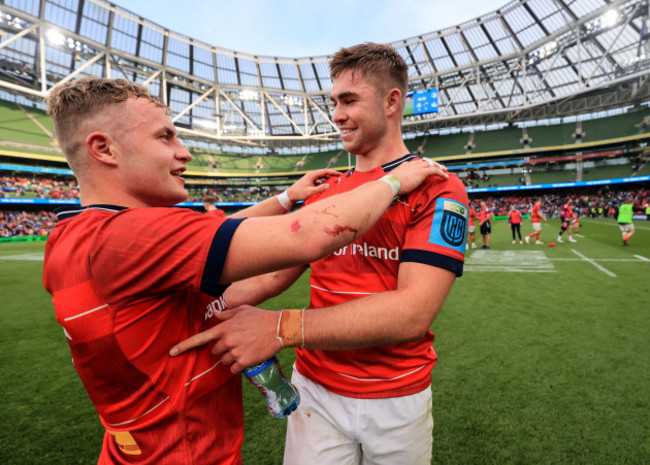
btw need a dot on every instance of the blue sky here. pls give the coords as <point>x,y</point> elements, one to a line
<point>301,28</point>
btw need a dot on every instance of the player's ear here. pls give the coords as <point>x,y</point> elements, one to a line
<point>100,148</point>
<point>393,101</point>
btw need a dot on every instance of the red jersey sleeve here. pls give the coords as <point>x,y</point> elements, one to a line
<point>149,250</point>
<point>438,228</point>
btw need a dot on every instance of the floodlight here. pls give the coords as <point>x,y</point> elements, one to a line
<point>248,95</point>
<point>17,23</point>
<point>292,101</point>
<point>206,124</point>
<point>54,37</point>
<point>609,19</point>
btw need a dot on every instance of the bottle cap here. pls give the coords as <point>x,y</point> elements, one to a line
<point>257,369</point>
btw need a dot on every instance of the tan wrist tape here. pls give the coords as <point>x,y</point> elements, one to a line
<point>290,331</point>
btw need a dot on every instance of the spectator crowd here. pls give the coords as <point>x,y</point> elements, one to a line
<point>26,224</point>
<point>232,194</point>
<point>38,187</point>
<point>601,203</point>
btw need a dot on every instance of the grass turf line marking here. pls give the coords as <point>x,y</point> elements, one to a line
<point>599,259</point>
<point>595,259</point>
<point>588,260</point>
<point>642,226</point>
<point>641,257</point>
<point>25,256</point>
<point>509,262</point>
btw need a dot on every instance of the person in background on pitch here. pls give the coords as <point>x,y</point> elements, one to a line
<point>566,214</point>
<point>471,229</point>
<point>536,217</point>
<point>364,347</point>
<point>209,203</point>
<point>624,218</point>
<point>575,222</point>
<point>514,218</point>
<point>129,276</point>
<point>485,224</point>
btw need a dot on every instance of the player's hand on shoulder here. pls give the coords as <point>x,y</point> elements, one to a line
<point>310,184</point>
<point>412,173</point>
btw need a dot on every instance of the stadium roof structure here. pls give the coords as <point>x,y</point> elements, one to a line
<point>531,59</point>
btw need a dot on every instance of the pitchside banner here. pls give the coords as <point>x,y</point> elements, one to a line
<point>418,103</point>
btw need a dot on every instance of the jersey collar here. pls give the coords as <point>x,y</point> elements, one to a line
<point>63,213</point>
<point>391,164</point>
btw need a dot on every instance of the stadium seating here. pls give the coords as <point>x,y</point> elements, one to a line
<point>207,161</point>
<point>497,155</point>
<point>27,129</point>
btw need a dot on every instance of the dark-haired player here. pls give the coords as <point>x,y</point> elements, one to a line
<point>365,354</point>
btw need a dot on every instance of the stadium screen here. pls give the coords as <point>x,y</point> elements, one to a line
<point>420,102</point>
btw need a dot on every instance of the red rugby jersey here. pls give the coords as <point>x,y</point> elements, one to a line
<point>535,216</point>
<point>427,226</point>
<point>515,217</point>
<point>127,284</point>
<point>485,215</point>
<point>472,216</point>
<point>218,212</point>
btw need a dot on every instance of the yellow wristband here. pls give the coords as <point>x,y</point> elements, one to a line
<point>393,182</point>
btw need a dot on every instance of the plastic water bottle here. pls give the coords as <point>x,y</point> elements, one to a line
<point>281,396</point>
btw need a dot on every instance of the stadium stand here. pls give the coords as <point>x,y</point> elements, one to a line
<point>26,129</point>
<point>591,139</point>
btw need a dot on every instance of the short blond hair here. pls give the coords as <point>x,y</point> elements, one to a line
<point>70,103</point>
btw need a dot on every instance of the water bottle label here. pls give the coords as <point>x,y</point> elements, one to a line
<point>256,369</point>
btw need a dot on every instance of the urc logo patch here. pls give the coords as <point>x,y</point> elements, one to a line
<point>449,228</point>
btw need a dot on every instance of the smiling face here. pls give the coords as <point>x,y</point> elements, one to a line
<point>149,156</point>
<point>360,112</point>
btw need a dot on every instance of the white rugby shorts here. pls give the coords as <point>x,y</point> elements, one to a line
<point>328,429</point>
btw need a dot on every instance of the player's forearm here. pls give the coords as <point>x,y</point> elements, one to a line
<point>262,245</point>
<point>391,317</point>
<point>268,207</point>
<point>327,225</point>
<point>251,291</point>
<point>350,214</point>
<point>255,290</point>
<point>249,335</point>
<point>310,184</point>
<point>381,319</point>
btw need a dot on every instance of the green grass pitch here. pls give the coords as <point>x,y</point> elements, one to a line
<point>544,358</point>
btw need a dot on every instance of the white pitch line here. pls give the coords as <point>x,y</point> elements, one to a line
<point>36,256</point>
<point>643,226</point>
<point>641,257</point>
<point>505,269</point>
<point>601,268</point>
<point>597,260</point>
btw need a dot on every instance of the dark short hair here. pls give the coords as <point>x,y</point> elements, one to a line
<point>379,61</point>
